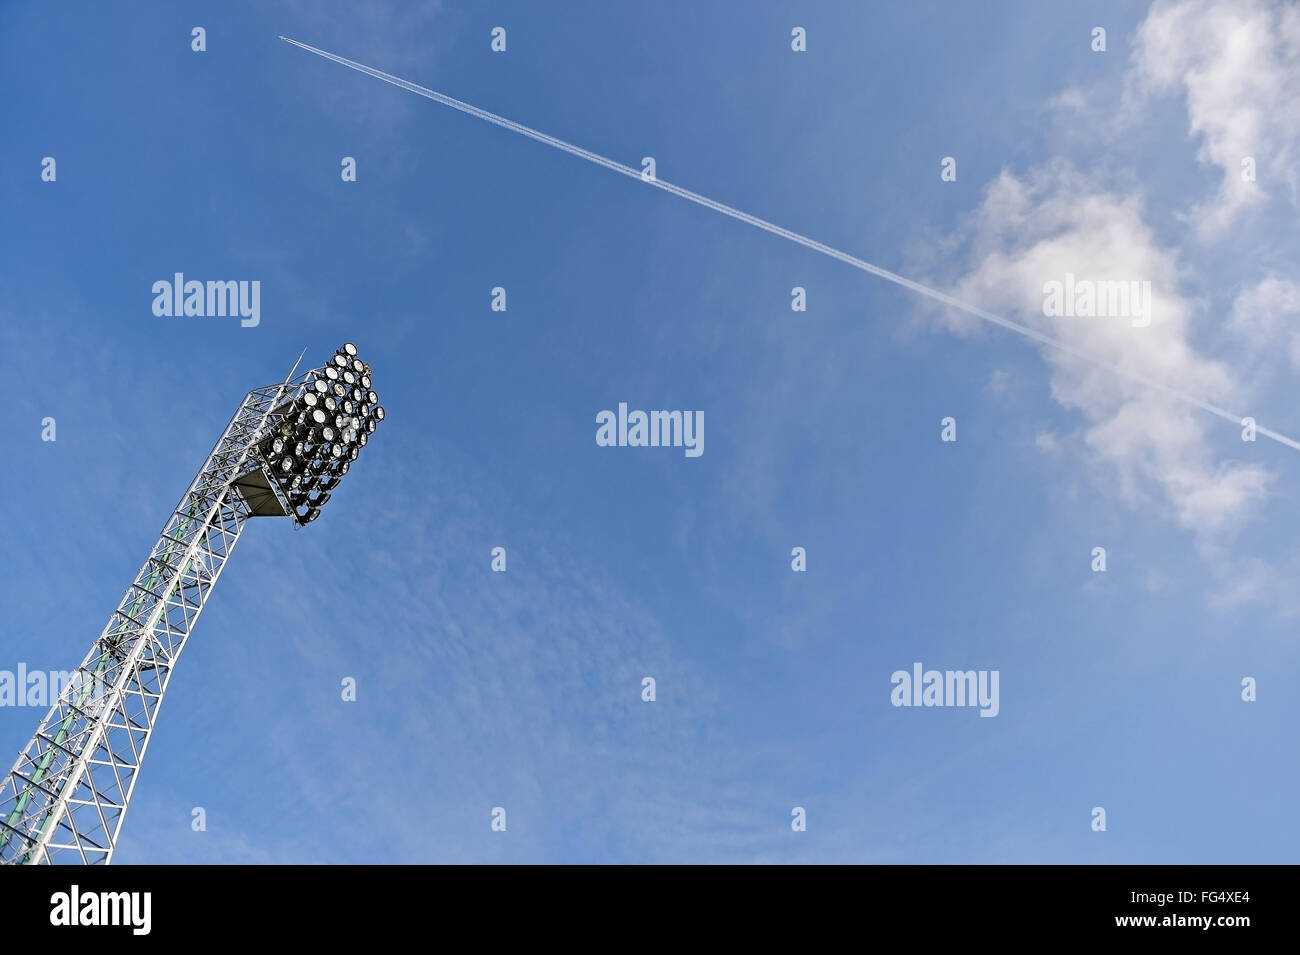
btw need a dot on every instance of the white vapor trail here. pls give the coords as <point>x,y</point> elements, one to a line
<point>795,237</point>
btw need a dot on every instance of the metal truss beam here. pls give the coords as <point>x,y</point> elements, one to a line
<point>66,797</point>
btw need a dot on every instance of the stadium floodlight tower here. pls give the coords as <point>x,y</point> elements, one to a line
<point>283,454</point>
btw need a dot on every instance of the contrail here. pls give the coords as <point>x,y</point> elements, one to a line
<point>803,240</point>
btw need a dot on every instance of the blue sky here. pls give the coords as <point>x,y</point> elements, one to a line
<point>822,428</point>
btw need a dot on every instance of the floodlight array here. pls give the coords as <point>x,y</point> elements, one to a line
<point>322,432</point>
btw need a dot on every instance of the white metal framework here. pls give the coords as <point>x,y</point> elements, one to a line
<point>66,796</point>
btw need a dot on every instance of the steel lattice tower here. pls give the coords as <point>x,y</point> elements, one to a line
<point>286,448</point>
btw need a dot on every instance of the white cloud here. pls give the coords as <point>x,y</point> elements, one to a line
<point>1238,65</point>
<point>1031,231</point>
<point>1241,582</point>
<point>1265,321</point>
